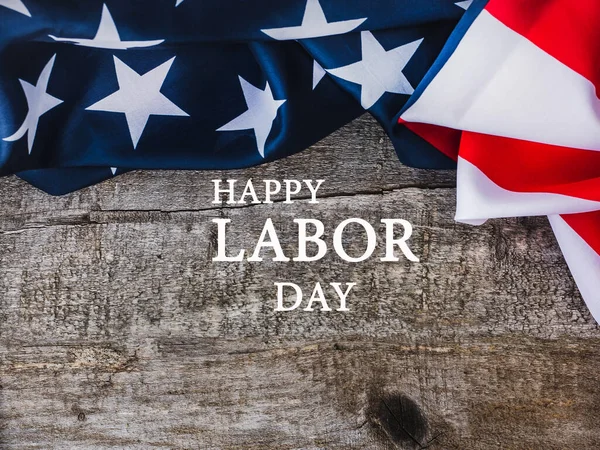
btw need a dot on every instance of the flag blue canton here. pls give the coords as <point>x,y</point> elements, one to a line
<point>93,89</point>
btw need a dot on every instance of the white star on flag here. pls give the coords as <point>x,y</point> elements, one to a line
<point>261,113</point>
<point>107,36</point>
<point>139,97</point>
<point>178,2</point>
<point>380,70</point>
<point>464,5</point>
<point>314,24</point>
<point>39,103</point>
<point>318,74</point>
<point>113,170</point>
<point>16,5</point>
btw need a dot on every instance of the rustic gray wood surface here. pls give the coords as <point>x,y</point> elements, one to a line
<point>117,331</point>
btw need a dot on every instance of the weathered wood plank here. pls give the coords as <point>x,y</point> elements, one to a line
<point>118,331</point>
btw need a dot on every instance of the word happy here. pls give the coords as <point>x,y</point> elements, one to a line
<point>268,241</point>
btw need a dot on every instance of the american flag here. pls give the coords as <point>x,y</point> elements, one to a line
<point>97,88</point>
<point>516,92</point>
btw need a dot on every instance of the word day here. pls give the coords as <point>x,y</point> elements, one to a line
<point>318,296</point>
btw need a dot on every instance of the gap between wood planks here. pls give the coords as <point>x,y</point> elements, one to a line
<point>85,219</point>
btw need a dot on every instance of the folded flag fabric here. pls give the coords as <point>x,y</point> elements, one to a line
<point>514,98</point>
<point>96,88</point>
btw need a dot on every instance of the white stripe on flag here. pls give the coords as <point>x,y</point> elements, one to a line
<point>479,198</point>
<point>499,83</point>
<point>583,261</point>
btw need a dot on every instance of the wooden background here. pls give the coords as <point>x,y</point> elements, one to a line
<point>117,331</point>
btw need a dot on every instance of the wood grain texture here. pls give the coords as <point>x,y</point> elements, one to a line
<point>117,331</point>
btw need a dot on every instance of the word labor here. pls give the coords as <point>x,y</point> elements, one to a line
<point>269,240</point>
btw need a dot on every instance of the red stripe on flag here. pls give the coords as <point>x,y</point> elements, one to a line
<point>569,30</point>
<point>586,225</point>
<point>522,166</point>
<point>446,140</point>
